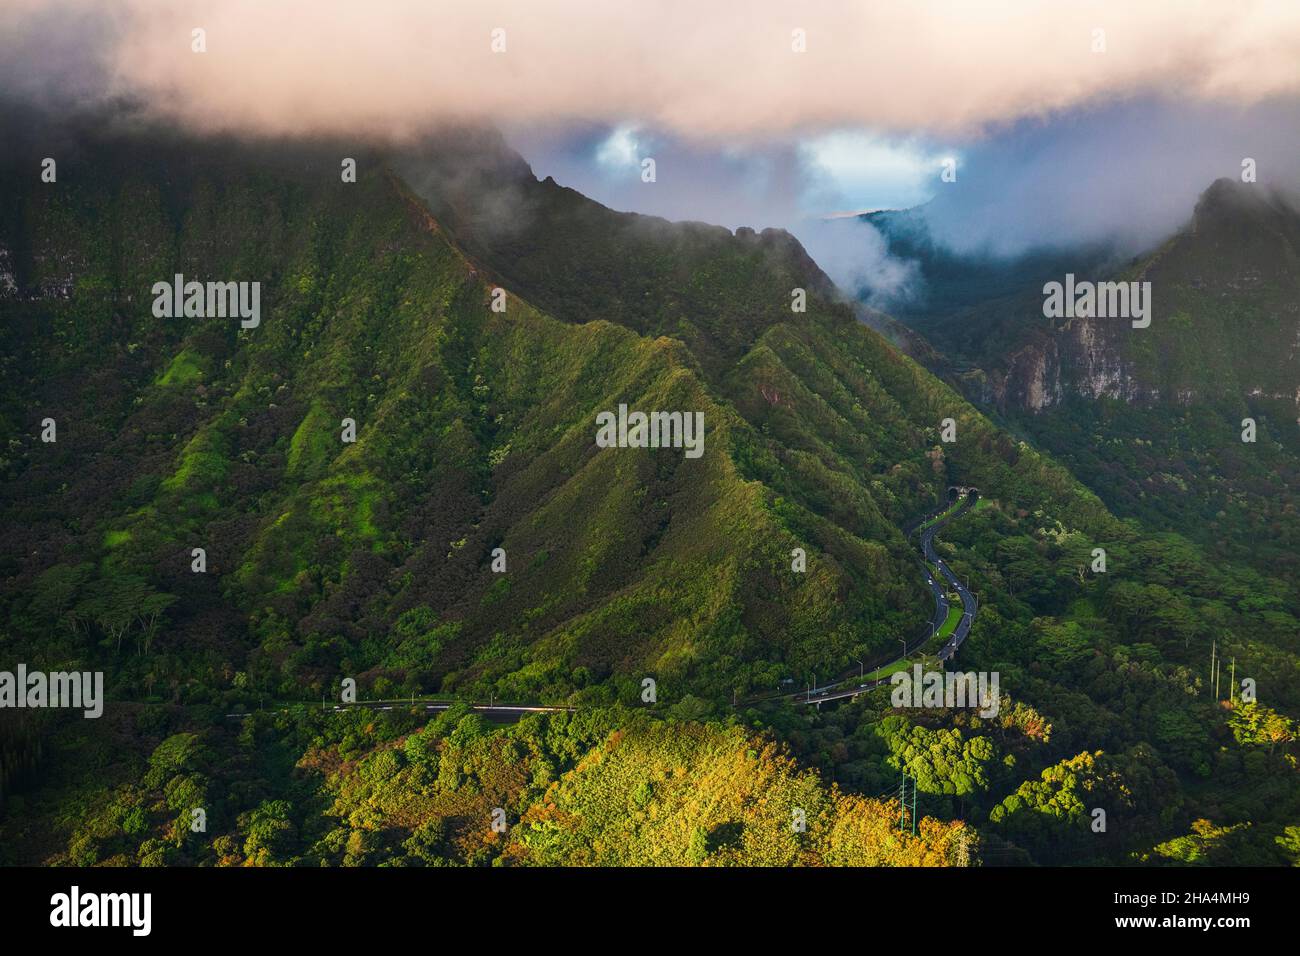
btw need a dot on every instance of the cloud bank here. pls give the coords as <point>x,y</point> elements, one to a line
<point>708,70</point>
<point>1057,144</point>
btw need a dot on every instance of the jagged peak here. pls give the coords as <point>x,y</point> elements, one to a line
<point>1229,200</point>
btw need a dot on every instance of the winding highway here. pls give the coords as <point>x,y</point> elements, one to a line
<point>941,586</point>
<point>969,604</point>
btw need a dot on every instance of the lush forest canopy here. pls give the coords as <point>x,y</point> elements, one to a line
<point>373,560</point>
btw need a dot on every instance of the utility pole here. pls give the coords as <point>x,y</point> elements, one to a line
<point>903,805</point>
<point>1232,683</point>
<point>1213,647</point>
<point>963,849</point>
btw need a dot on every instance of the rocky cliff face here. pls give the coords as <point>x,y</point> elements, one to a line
<point>1084,357</point>
<point>1225,319</point>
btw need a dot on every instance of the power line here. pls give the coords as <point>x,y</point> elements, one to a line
<point>902,810</point>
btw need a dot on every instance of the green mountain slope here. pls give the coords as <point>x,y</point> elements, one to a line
<point>475,431</point>
<point>1161,439</point>
<point>1151,419</point>
<point>1225,317</point>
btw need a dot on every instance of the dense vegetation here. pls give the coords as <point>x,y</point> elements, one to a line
<point>604,786</point>
<point>1108,703</point>
<point>1151,420</point>
<point>373,560</point>
<point>1186,469</point>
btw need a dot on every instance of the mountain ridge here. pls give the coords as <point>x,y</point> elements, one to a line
<point>308,530</point>
<point>374,559</point>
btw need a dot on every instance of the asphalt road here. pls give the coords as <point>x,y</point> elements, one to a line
<point>504,711</point>
<point>968,601</point>
<point>940,586</point>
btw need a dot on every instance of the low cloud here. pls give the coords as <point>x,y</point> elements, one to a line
<point>856,257</point>
<point>1128,175</point>
<point>696,70</point>
<point>1057,144</point>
